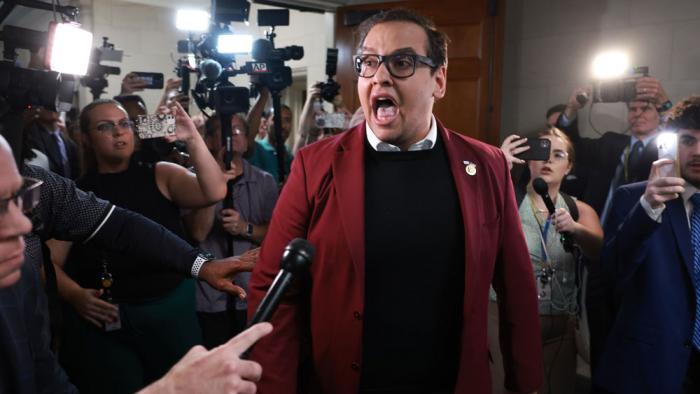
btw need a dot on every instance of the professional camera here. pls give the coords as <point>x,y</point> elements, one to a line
<point>330,88</point>
<point>618,90</point>
<point>268,69</point>
<point>22,87</point>
<point>96,77</point>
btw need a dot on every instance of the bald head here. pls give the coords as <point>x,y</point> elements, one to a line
<point>13,223</point>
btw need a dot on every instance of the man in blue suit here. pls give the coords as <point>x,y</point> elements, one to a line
<point>652,255</point>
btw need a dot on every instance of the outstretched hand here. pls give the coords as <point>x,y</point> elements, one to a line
<point>220,370</point>
<point>219,273</point>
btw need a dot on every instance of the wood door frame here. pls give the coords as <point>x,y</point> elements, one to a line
<point>490,13</point>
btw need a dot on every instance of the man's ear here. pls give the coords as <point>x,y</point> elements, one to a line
<point>440,76</point>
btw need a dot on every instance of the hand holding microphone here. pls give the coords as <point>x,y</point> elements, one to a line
<point>542,189</point>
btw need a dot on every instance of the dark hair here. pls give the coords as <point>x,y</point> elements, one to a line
<point>685,114</point>
<point>437,41</point>
<point>554,109</point>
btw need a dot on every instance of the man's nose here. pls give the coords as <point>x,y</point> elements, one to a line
<point>382,76</point>
<point>15,221</point>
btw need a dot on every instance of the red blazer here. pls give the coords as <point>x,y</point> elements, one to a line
<point>318,327</point>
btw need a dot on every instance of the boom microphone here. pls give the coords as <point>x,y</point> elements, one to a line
<point>542,189</point>
<point>211,69</point>
<point>296,258</point>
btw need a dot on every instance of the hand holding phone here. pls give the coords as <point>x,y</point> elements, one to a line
<point>667,144</point>
<point>539,149</point>
<point>150,80</point>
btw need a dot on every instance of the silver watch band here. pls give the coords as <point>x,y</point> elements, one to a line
<point>197,266</point>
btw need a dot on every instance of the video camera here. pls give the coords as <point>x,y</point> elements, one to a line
<point>329,91</point>
<point>96,77</point>
<point>214,66</point>
<point>618,90</point>
<point>53,86</point>
<point>330,88</point>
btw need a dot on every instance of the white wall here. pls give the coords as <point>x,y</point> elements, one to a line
<point>549,45</point>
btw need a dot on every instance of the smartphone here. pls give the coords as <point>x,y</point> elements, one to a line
<point>153,80</point>
<point>539,149</point>
<point>667,142</point>
<point>155,126</point>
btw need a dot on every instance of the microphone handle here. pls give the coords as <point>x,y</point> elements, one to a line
<point>548,203</point>
<point>272,298</point>
<point>566,238</point>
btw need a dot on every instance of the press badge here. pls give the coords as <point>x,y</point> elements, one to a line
<point>155,125</point>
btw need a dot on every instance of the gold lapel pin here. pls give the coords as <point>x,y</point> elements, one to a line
<point>469,168</point>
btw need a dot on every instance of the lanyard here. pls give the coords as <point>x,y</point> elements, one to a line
<point>543,230</point>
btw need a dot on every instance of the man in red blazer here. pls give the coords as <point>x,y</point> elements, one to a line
<point>411,224</point>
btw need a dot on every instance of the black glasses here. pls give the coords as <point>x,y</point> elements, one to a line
<point>400,65</point>
<point>108,127</point>
<point>26,198</point>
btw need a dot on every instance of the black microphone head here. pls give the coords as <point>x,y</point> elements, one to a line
<point>211,69</point>
<point>540,186</point>
<point>297,255</point>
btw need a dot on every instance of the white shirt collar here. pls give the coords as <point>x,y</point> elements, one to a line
<point>689,191</point>
<point>645,139</point>
<point>426,143</point>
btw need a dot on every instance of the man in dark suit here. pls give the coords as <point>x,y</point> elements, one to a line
<point>652,255</point>
<point>616,159</point>
<point>602,165</point>
<point>46,136</point>
<point>27,363</point>
<point>411,223</point>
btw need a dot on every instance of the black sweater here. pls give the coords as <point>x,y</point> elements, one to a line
<point>414,282</point>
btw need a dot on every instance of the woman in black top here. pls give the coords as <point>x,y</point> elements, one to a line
<point>136,321</point>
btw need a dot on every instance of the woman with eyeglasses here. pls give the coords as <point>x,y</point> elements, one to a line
<point>555,242</point>
<point>129,322</point>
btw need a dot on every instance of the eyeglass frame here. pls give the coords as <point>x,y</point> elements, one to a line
<point>32,189</point>
<point>113,126</point>
<point>357,60</point>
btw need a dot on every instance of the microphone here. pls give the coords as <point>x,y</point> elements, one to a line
<point>211,69</point>
<point>296,258</point>
<point>542,189</point>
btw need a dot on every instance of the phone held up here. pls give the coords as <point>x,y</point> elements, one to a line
<point>152,80</point>
<point>539,150</point>
<point>667,142</point>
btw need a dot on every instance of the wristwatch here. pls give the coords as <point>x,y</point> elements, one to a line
<point>249,230</point>
<point>202,258</point>
<point>664,107</point>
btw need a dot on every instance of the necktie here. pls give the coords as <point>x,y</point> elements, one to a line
<point>65,168</point>
<point>695,242</point>
<point>633,159</point>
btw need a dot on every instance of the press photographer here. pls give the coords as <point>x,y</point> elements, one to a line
<point>610,161</point>
<point>315,123</point>
<point>616,158</point>
<point>267,70</point>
